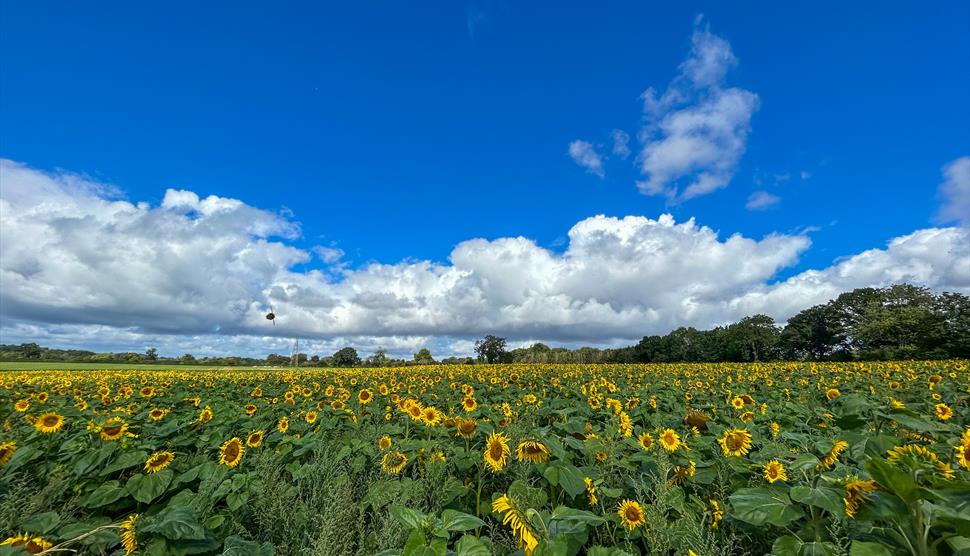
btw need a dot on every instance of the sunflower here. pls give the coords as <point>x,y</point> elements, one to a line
<point>393,462</point>
<point>205,415</point>
<point>963,450</point>
<point>6,451</point>
<point>128,539</point>
<point>943,412</point>
<point>158,461</point>
<point>695,418</point>
<point>283,424</point>
<point>646,441</point>
<point>310,417</point>
<point>737,402</point>
<point>33,545</point>
<point>626,425</point>
<point>146,392</point>
<point>735,442</point>
<point>250,409</point>
<point>681,473</point>
<point>631,514</point>
<point>532,451</point>
<point>717,514</point>
<point>22,405</point>
<point>231,452</point>
<point>496,451</point>
<point>255,439</point>
<point>49,423</point>
<point>590,491</point>
<point>157,414</point>
<point>669,440</point>
<point>916,454</point>
<point>469,404</point>
<point>466,428</point>
<point>775,471</point>
<point>384,443</point>
<point>855,494</point>
<point>430,416</point>
<point>113,429</point>
<point>775,429</point>
<point>833,455</point>
<point>517,520</point>
<point>832,393</point>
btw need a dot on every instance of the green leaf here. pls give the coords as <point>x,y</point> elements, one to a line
<point>412,519</point>
<point>563,513</point>
<point>146,488</point>
<point>804,462</point>
<point>237,546</point>
<point>606,551</point>
<point>571,479</point>
<point>107,493</point>
<point>236,500</point>
<point>175,523</point>
<point>21,457</point>
<point>893,479</point>
<point>860,548</point>
<point>787,545</point>
<point>454,521</point>
<point>552,547</point>
<point>824,497</point>
<point>468,545</point>
<point>819,549</point>
<point>759,506</point>
<point>42,523</point>
<point>125,461</point>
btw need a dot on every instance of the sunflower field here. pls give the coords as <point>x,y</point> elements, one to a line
<point>859,459</point>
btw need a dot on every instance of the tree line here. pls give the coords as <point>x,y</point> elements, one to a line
<point>902,321</point>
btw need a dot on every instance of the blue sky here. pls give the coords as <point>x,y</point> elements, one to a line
<point>395,132</point>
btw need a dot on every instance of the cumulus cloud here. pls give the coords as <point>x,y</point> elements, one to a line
<point>197,273</point>
<point>697,129</point>
<point>584,154</point>
<point>621,143</point>
<point>955,192</point>
<point>761,200</point>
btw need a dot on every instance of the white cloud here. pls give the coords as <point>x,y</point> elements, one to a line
<point>198,274</point>
<point>697,130</point>
<point>761,200</point>
<point>621,143</point>
<point>584,154</point>
<point>955,192</point>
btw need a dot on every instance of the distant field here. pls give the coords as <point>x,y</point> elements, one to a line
<point>60,366</point>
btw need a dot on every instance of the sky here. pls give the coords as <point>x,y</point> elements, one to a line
<point>402,176</point>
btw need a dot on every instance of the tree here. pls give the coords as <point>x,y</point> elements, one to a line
<point>898,325</point>
<point>379,358</point>
<point>490,348</point>
<point>423,357</point>
<point>187,358</point>
<point>346,357</point>
<point>753,338</point>
<point>31,351</point>
<point>813,333</point>
<point>151,354</point>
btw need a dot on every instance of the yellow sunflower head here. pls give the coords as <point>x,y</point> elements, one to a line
<point>943,412</point>
<point>393,462</point>
<point>283,424</point>
<point>669,440</point>
<point>49,423</point>
<point>774,470</point>
<point>496,451</point>
<point>128,539</point>
<point>114,429</point>
<point>6,451</point>
<point>646,441</point>
<point>466,428</point>
<point>231,452</point>
<point>384,443</point>
<point>631,514</point>
<point>32,545</point>
<point>735,442</point>
<point>158,461</point>
<point>255,439</point>
<point>532,451</point>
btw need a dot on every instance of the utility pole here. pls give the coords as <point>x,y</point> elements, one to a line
<point>295,357</point>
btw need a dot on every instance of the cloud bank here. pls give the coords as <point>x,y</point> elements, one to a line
<point>200,272</point>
